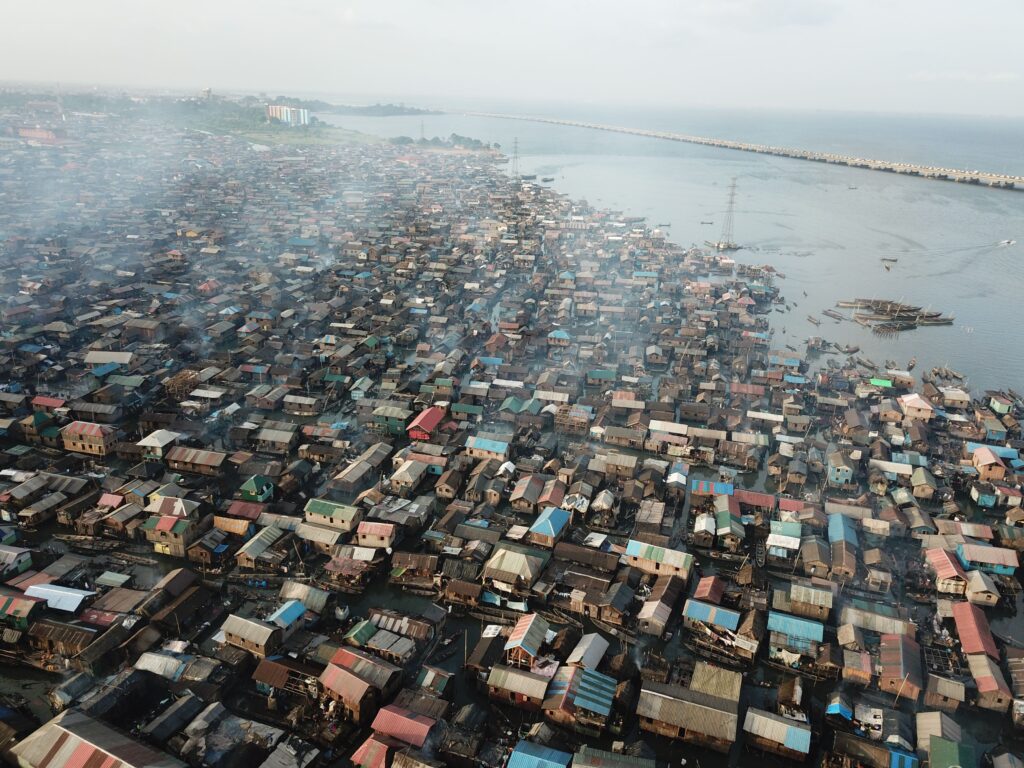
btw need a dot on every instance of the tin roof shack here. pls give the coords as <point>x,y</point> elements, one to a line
<point>357,682</point>
<point>899,667</point>
<point>74,738</point>
<point>812,599</point>
<point>513,569</point>
<point>993,692</point>
<point>707,716</point>
<point>580,699</point>
<point>404,725</point>
<point>950,578</point>
<point>517,687</point>
<point>779,735</point>
<point>722,634</point>
<point>794,641</point>
<point>944,694</point>
<point>524,644</point>
<point>194,461</point>
<point>657,560</point>
<point>990,559</point>
<point>981,589</point>
<point>530,755</point>
<point>257,637</point>
<point>173,535</point>
<point>285,676</point>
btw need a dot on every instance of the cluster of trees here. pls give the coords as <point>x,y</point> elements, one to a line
<point>372,110</point>
<point>454,141</point>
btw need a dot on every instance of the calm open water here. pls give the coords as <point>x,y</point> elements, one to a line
<point>826,228</point>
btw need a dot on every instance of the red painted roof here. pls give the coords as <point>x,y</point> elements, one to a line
<point>99,618</point>
<point>946,566</point>
<point>972,626</point>
<point>166,523</point>
<point>428,419</point>
<point>791,505</point>
<point>344,682</point>
<point>48,402</point>
<point>710,588</point>
<point>250,510</point>
<point>755,499</point>
<point>403,724</point>
<point>111,500</point>
<point>368,528</point>
<point>29,579</point>
<point>86,428</point>
<point>374,752</point>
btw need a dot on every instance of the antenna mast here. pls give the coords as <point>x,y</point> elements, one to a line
<point>726,241</point>
<point>515,158</point>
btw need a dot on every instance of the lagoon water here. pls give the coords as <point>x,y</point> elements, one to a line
<point>826,228</point>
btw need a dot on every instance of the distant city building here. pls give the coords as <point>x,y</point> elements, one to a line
<point>288,115</point>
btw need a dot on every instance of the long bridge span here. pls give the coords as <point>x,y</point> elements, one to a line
<point>982,178</point>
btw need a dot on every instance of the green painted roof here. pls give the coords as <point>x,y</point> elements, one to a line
<point>361,633</point>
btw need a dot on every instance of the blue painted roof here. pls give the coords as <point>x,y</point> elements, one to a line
<point>711,614</point>
<point>999,450</point>
<point>302,242</point>
<point>794,626</point>
<point>288,613</point>
<point>483,444</point>
<point>839,707</point>
<point>559,334</point>
<point>492,360</point>
<point>104,370</point>
<point>798,739</point>
<point>530,755</point>
<point>786,528</point>
<point>594,691</point>
<point>842,528</point>
<point>898,759</point>
<point>709,487</point>
<point>550,522</point>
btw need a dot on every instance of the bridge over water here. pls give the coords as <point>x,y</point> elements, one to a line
<point>982,178</point>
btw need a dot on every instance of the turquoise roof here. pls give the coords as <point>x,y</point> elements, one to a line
<point>530,755</point>
<point>550,522</point>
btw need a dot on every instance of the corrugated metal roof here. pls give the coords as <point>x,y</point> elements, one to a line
<point>518,681</point>
<point>529,634</point>
<point>403,724</point>
<point>59,598</point>
<point>793,626</point>
<point>75,738</point>
<point>590,757</point>
<point>781,730</point>
<point>716,681</point>
<point>671,557</point>
<point>973,629</point>
<point>945,565</point>
<point>689,709</point>
<point>589,651</point>
<point>250,630</point>
<point>529,755</point>
<point>711,614</point>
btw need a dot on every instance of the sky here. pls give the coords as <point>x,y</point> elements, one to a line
<point>917,56</point>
